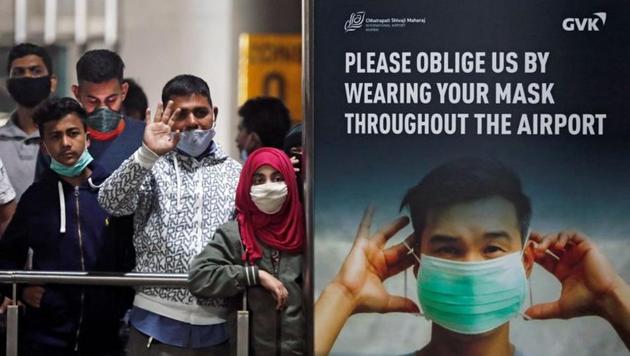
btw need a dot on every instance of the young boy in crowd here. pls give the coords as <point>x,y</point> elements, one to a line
<point>60,219</point>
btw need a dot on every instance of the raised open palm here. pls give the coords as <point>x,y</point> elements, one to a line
<point>158,135</point>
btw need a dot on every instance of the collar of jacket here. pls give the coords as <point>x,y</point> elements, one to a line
<point>12,130</point>
<point>98,176</point>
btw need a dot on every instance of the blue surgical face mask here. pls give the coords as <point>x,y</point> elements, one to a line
<point>244,155</point>
<point>75,169</point>
<point>195,142</point>
<point>103,120</point>
<point>472,297</point>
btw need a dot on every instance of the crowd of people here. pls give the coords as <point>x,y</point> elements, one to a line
<point>100,183</point>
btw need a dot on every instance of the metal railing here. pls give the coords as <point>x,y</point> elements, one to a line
<point>78,278</point>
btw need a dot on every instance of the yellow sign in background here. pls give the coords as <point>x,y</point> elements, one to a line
<point>271,65</point>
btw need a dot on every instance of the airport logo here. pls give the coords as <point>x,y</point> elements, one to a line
<point>358,20</point>
<point>585,24</point>
<point>355,21</point>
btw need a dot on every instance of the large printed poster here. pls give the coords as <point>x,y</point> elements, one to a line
<point>519,109</point>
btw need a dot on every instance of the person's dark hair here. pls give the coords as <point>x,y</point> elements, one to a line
<point>465,180</point>
<point>25,49</point>
<point>100,65</point>
<point>54,109</point>
<point>268,117</point>
<point>185,85</point>
<point>293,138</point>
<point>135,103</point>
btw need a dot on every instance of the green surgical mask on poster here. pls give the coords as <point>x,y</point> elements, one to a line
<point>472,297</point>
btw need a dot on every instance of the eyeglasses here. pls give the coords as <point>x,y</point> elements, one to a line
<point>199,113</point>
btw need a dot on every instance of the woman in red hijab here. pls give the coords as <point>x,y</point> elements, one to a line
<point>260,254</point>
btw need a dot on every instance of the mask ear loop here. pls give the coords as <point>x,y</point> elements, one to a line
<point>529,285</point>
<point>410,251</point>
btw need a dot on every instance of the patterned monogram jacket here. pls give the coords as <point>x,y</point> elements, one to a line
<point>178,202</point>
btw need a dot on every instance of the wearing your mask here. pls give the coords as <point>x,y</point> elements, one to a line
<point>103,120</point>
<point>28,91</point>
<point>472,297</point>
<point>269,197</point>
<point>75,169</point>
<point>195,142</point>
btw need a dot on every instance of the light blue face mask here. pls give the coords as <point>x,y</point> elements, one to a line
<point>472,297</point>
<point>195,142</point>
<point>75,169</point>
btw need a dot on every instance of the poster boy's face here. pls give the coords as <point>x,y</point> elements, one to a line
<point>472,231</point>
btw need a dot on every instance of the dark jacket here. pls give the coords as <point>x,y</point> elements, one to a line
<point>69,316</point>
<point>218,271</point>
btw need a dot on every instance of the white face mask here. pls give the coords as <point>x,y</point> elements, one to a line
<point>269,197</point>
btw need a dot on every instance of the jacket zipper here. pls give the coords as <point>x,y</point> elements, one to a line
<point>76,195</point>
<point>275,262</point>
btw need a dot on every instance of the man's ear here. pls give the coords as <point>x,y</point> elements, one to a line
<point>216,112</point>
<point>529,256</point>
<point>53,83</point>
<point>75,92</point>
<point>254,142</point>
<point>124,88</point>
<point>87,139</point>
<point>42,148</point>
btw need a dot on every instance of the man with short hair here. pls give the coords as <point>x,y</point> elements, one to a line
<point>265,122</point>
<point>181,187</point>
<point>31,80</point>
<point>60,219</point>
<point>101,90</point>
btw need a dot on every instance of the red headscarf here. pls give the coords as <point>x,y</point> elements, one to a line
<point>283,230</point>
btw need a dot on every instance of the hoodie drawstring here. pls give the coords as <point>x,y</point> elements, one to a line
<point>179,183</point>
<point>62,209</point>
<point>94,186</point>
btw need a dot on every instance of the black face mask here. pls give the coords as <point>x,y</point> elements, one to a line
<point>29,91</point>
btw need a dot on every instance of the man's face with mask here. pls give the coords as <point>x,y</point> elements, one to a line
<point>65,139</point>
<point>102,101</point>
<point>196,122</point>
<point>472,276</point>
<point>29,81</point>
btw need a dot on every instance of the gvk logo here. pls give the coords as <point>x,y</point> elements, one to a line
<point>586,23</point>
